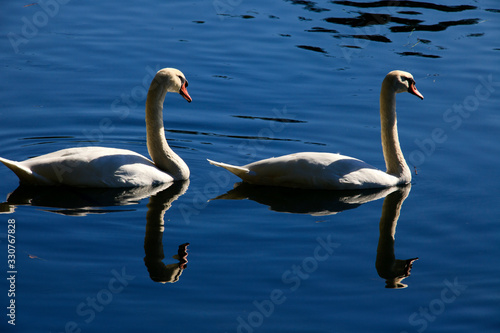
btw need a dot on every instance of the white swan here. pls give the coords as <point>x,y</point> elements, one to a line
<point>111,167</point>
<point>337,172</point>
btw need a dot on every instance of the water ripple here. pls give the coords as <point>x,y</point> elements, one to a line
<point>408,4</point>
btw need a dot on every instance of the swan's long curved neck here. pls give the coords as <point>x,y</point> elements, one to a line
<point>163,156</point>
<point>394,159</point>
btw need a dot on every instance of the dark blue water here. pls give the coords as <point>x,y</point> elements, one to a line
<point>266,78</point>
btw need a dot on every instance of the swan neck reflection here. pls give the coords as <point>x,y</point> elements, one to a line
<point>388,267</point>
<point>153,240</point>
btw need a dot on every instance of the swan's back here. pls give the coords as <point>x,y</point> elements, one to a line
<point>89,167</point>
<point>310,170</point>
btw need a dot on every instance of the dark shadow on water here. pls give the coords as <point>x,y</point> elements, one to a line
<point>418,54</point>
<point>365,18</point>
<point>299,201</point>
<point>404,24</point>
<point>76,201</point>
<point>311,48</point>
<point>308,5</point>
<point>279,120</point>
<point>440,26</point>
<point>368,19</point>
<point>406,4</point>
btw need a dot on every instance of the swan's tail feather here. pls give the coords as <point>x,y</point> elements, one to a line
<point>237,170</point>
<point>25,175</point>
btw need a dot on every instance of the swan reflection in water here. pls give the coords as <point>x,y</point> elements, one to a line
<point>388,267</point>
<point>153,241</point>
<point>73,201</point>
<point>323,203</point>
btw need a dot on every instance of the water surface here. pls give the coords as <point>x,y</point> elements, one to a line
<point>267,79</point>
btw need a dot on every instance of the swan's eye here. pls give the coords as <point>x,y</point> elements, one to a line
<point>183,80</point>
<point>408,81</point>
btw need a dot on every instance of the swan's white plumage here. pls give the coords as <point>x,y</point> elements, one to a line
<point>311,170</point>
<point>111,167</point>
<point>89,167</point>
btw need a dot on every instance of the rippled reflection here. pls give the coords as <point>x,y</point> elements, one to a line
<point>308,5</point>
<point>366,19</point>
<point>406,4</point>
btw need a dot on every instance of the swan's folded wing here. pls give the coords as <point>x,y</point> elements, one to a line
<point>317,171</point>
<point>94,167</point>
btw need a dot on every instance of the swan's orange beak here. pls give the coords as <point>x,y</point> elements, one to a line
<point>413,90</point>
<point>184,93</point>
